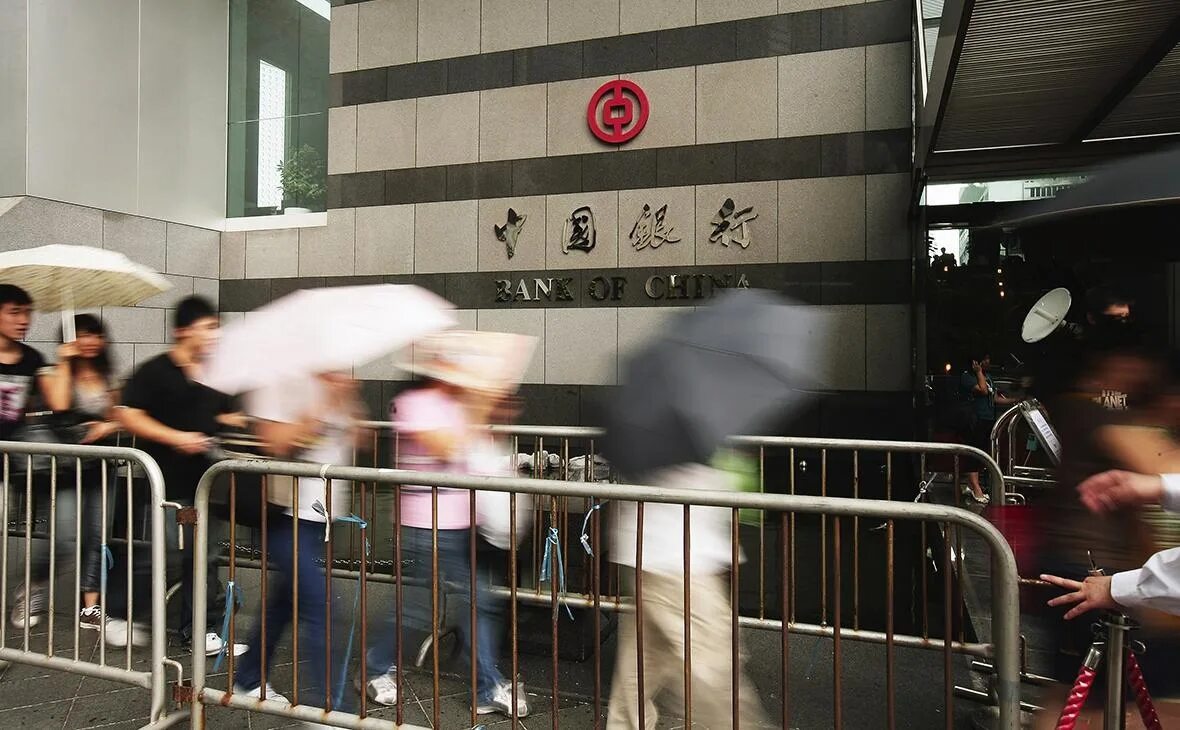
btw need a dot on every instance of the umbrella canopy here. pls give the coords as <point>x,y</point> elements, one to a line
<point>322,330</point>
<point>60,277</point>
<point>722,370</point>
<point>1151,179</point>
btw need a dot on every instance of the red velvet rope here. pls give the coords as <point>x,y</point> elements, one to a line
<point>1077,698</point>
<point>1151,720</point>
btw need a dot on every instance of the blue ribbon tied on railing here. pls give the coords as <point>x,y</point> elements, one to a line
<point>585,539</point>
<point>338,698</point>
<point>233,599</point>
<point>552,545</point>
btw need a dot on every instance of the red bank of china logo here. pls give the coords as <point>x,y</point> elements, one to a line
<point>617,111</point>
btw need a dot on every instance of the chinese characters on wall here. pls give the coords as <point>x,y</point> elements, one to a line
<point>652,228</point>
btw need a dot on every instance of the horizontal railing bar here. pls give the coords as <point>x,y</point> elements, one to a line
<point>99,671</point>
<point>210,696</point>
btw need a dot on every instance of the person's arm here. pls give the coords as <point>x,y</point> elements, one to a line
<point>1141,449</point>
<point>1116,488</point>
<point>57,382</point>
<point>282,440</point>
<point>981,387</point>
<point>139,423</point>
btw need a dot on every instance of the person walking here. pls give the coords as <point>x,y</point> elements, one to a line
<point>439,427</point>
<point>659,591</point>
<point>23,377</point>
<point>312,419</point>
<point>79,388</point>
<point>174,418</point>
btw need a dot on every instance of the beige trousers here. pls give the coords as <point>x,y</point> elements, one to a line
<point>664,657</point>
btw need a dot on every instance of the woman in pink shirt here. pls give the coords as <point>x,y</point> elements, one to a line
<point>436,425</point>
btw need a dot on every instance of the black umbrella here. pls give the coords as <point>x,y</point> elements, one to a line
<point>721,370</point>
<point>1150,179</point>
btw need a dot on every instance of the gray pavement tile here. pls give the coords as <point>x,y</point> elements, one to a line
<point>46,715</point>
<point>30,692</point>
<point>108,707</point>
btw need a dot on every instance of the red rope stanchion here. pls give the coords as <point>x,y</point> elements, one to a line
<point>1151,720</point>
<point>1077,698</point>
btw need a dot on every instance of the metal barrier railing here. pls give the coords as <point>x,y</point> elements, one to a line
<point>59,483</point>
<point>1003,646</point>
<point>569,453</point>
<point>1003,452</point>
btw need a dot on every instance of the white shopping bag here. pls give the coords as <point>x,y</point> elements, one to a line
<point>493,510</point>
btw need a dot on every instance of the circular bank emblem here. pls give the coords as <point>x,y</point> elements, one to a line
<point>617,111</point>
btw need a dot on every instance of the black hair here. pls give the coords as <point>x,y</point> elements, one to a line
<point>13,294</point>
<point>88,324</point>
<point>191,309</point>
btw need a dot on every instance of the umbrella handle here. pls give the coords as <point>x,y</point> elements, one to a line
<point>67,317</point>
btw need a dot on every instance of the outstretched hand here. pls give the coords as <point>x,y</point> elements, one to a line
<point>1091,594</point>
<point>1113,489</point>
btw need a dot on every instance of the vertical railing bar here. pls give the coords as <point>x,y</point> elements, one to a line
<point>367,517</point>
<point>837,644</point>
<point>761,536</point>
<point>786,612</point>
<point>823,540</point>
<point>639,611</point>
<point>434,603</point>
<point>231,663</point>
<point>131,561</point>
<point>4,551</point>
<point>596,568</point>
<point>890,708</point>
<point>474,624</point>
<point>856,542</point>
<point>263,574</point>
<point>329,563</point>
<point>78,557</point>
<point>28,544</point>
<point>688,615</point>
<point>792,571</point>
<point>52,552</point>
<point>102,598</point>
<point>294,591</point>
<point>735,637</point>
<point>947,629</point>
<point>554,608</point>
<point>399,670</point>
<point>512,610</point>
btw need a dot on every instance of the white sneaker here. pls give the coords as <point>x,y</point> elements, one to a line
<point>214,644</point>
<point>501,701</point>
<point>37,601</point>
<point>116,631</point>
<point>382,689</point>
<point>256,693</point>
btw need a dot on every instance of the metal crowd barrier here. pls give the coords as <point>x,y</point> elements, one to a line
<point>1003,451</point>
<point>1003,648</point>
<point>70,471</point>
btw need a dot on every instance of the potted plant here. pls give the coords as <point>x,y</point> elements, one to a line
<point>301,179</point>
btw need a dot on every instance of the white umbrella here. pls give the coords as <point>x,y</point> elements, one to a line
<point>60,278</point>
<point>322,330</point>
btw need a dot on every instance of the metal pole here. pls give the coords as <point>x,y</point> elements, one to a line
<point>1117,626</point>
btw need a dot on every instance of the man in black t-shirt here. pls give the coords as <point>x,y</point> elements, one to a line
<point>174,418</point>
<point>20,365</point>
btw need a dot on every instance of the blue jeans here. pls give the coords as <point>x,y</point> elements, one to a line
<point>313,616</point>
<point>66,529</point>
<point>454,564</point>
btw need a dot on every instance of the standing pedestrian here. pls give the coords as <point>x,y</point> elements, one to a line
<point>981,398</point>
<point>312,419</point>
<point>81,389</point>
<point>174,418</point>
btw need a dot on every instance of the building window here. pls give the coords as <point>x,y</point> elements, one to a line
<point>278,102</point>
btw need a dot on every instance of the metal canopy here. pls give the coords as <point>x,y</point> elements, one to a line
<point>1021,86</point>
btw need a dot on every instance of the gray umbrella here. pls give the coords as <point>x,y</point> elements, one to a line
<point>725,369</point>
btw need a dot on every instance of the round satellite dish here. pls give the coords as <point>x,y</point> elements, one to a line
<point>1046,315</point>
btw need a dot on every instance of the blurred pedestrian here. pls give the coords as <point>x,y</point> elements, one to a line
<point>174,418</point>
<point>313,419</point>
<point>659,592</point>
<point>438,426</point>
<point>23,377</point>
<point>80,389</point>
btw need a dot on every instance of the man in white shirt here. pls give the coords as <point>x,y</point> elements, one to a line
<point>1156,585</point>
